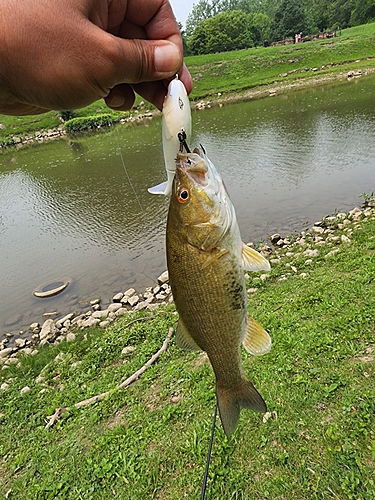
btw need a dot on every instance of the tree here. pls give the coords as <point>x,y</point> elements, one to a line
<point>201,11</point>
<point>231,30</point>
<point>363,12</point>
<point>290,18</point>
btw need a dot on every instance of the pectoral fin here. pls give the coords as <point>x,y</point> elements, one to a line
<point>159,189</point>
<point>183,338</point>
<point>214,255</point>
<point>257,341</point>
<point>253,260</point>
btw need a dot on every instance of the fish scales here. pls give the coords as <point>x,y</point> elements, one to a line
<point>214,311</point>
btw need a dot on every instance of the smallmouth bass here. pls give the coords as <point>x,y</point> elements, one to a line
<point>206,260</point>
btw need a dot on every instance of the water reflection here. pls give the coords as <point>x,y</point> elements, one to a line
<point>80,209</point>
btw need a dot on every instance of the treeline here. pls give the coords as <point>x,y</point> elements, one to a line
<point>223,25</point>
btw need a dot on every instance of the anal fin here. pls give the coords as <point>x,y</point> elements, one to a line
<point>257,341</point>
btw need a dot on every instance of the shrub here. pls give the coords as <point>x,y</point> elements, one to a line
<point>81,124</point>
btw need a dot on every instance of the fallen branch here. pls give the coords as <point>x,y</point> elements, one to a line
<point>52,419</point>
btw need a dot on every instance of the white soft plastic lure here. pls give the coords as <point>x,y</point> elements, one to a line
<point>176,119</point>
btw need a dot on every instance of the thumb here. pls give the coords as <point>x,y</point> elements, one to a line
<point>147,60</point>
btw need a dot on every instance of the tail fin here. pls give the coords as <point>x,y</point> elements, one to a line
<point>230,403</point>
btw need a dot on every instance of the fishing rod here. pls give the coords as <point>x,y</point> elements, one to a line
<point>209,455</point>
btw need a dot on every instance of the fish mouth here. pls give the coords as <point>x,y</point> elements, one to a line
<point>194,166</point>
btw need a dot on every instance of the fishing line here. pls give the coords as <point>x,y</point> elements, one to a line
<point>128,177</point>
<point>209,454</point>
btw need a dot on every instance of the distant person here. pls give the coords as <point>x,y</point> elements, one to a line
<point>64,55</point>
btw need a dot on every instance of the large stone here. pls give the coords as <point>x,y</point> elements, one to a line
<point>48,331</point>
<point>6,352</point>
<point>132,301</point>
<point>275,238</point>
<point>89,322</point>
<point>100,314</point>
<point>60,322</point>
<point>70,337</point>
<point>163,278</point>
<point>311,253</point>
<point>114,307</point>
<point>117,297</point>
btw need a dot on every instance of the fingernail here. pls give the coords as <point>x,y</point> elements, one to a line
<point>167,58</point>
<point>116,100</point>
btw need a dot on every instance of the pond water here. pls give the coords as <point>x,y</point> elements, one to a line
<point>79,211</point>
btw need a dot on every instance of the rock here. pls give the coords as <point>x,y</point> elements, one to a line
<point>115,306</point>
<point>133,300</point>
<point>104,324</point>
<point>6,352</point>
<point>70,337</point>
<point>152,307</point>
<point>252,290</point>
<point>355,213</point>
<point>345,239</point>
<point>48,331</point>
<point>129,293</point>
<point>275,238</point>
<point>311,253</point>
<point>39,379</point>
<point>121,311</point>
<point>317,229</point>
<point>332,252</point>
<point>20,343</point>
<point>101,314</point>
<point>94,302</point>
<point>60,322</point>
<point>25,389</point>
<point>141,305</point>
<point>128,349</point>
<point>90,322</point>
<point>265,250</point>
<point>117,297</point>
<point>34,327</point>
<point>163,278</point>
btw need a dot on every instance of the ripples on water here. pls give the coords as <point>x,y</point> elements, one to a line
<point>68,211</point>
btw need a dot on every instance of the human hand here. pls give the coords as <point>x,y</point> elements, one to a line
<point>66,55</point>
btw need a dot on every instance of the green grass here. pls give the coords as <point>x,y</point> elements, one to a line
<point>247,69</point>
<point>150,440</point>
<point>237,72</point>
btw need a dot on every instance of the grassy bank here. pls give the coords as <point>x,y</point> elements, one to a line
<point>150,440</point>
<point>247,71</point>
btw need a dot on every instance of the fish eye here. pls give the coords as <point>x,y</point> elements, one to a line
<point>183,195</point>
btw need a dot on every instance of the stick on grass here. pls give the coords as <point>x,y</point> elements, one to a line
<point>52,419</point>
